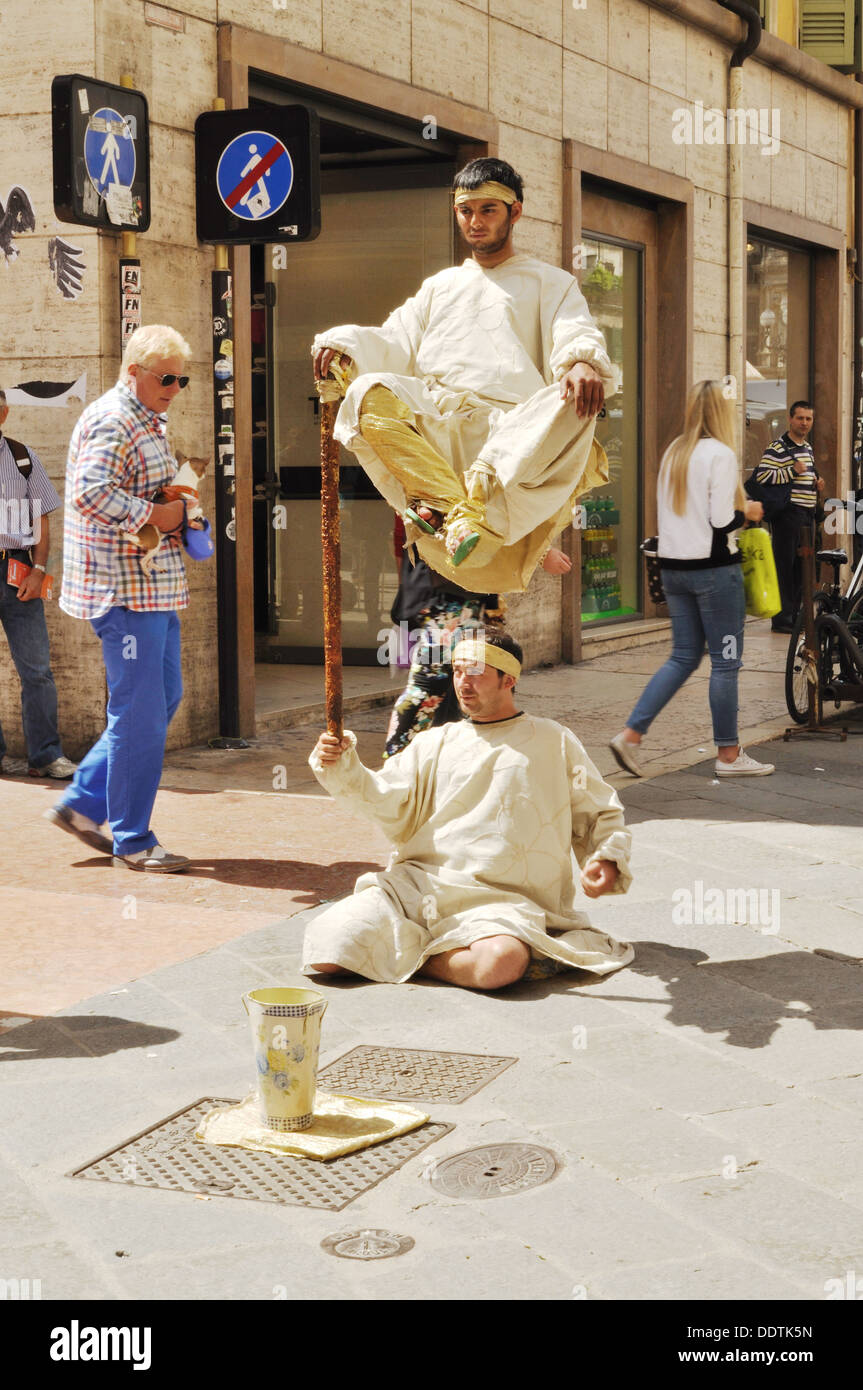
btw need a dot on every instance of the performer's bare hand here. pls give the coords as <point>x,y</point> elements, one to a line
<point>329,748</point>
<point>584,384</point>
<point>599,877</point>
<point>323,358</point>
<point>556,562</point>
<point>752,510</point>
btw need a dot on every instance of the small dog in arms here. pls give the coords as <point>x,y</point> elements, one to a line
<point>184,487</point>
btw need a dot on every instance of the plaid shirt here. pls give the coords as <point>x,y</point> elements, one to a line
<point>118,461</point>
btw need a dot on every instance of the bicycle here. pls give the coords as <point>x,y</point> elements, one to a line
<point>836,665</point>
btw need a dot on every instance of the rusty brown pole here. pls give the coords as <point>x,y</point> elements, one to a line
<point>331,541</point>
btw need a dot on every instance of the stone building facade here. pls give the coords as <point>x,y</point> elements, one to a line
<point>604,107</point>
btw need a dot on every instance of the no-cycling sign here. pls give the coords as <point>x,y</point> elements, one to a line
<point>258,175</point>
<point>255,175</point>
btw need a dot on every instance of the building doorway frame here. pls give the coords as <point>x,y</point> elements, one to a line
<point>671,198</point>
<point>825,246</point>
<point>241,51</point>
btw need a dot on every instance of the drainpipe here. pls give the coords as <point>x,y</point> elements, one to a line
<point>736,224</point>
<point>857,442</point>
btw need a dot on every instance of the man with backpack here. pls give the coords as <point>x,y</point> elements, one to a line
<point>26,499</point>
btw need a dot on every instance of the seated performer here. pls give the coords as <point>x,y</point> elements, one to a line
<point>485,816</point>
<point>472,409</point>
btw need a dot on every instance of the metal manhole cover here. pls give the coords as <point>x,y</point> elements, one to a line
<point>168,1155</point>
<point>367,1245</point>
<point>495,1170</point>
<point>403,1073</point>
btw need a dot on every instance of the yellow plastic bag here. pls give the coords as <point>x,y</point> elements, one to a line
<point>760,582</point>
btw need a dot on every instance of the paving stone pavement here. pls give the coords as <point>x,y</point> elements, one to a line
<point>705,1104</point>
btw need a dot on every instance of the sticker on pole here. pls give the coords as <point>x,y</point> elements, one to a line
<point>255,175</point>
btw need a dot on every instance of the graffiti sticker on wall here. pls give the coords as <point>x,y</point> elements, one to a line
<point>16,218</point>
<point>67,267</point>
<point>47,392</point>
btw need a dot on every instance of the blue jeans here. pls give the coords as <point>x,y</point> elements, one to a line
<point>706,606</point>
<point>118,780</point>
<point>27,635</point>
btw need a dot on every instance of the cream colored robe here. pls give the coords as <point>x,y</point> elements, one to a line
<point>476,355</point>
<point>487,821</point>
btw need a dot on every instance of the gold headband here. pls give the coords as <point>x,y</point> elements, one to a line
<point>485,190</point>
<point>483,654</point>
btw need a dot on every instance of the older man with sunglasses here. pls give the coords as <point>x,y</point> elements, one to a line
<point>118,462</point>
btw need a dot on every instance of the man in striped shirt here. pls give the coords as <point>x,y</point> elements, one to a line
<point>118,462</point>
<point>27,496</point>
<point>789,463</point>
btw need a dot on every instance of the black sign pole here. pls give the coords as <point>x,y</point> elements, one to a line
<point>225,471</point>
<point>257,180</point>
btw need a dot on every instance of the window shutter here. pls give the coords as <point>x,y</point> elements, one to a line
<point>827,31</point>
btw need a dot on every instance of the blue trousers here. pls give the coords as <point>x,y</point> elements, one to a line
<point>27,635</point>
<point>706,606</point>
<point>118,780</point>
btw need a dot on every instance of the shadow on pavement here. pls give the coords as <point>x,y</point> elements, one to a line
<point>748,999</point>
<point>93,1035</point>
<point>320,880</point>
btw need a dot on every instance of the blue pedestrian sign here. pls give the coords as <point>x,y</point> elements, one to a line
<point>255,175</point>
<point>100,153</point>
<point>109,150</point>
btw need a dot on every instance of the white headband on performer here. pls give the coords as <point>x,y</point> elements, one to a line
<point>479,653</point>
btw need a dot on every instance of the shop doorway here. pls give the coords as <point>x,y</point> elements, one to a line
<point>618,280</point>
<point>386,225</point>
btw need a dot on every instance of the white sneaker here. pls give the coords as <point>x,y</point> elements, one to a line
<point>624,752</point>
<point>743,766</point>
<point>61,769</point>
<point>155,860</point>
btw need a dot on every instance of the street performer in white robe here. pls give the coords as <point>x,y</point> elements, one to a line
<point>472,409</point>
<point>488,817</point>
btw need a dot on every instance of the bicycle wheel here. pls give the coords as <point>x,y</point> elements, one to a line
<point>796,667</point>
<point>854,619</point>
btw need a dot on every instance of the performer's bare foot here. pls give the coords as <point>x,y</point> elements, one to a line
<point>461,539</point>
<point>425,517</point>
<point>490,963</point>
<point>330,969</point>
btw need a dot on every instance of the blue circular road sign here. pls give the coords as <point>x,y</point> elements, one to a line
<point>254,175</point>
<point>109,150</point>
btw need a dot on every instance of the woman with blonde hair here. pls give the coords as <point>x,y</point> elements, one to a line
<point>700,505</point>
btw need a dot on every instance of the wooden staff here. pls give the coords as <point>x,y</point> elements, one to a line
<point>331,540</point>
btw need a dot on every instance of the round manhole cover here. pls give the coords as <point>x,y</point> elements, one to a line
<point>366,1245</point>
<point>496,1170</point>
